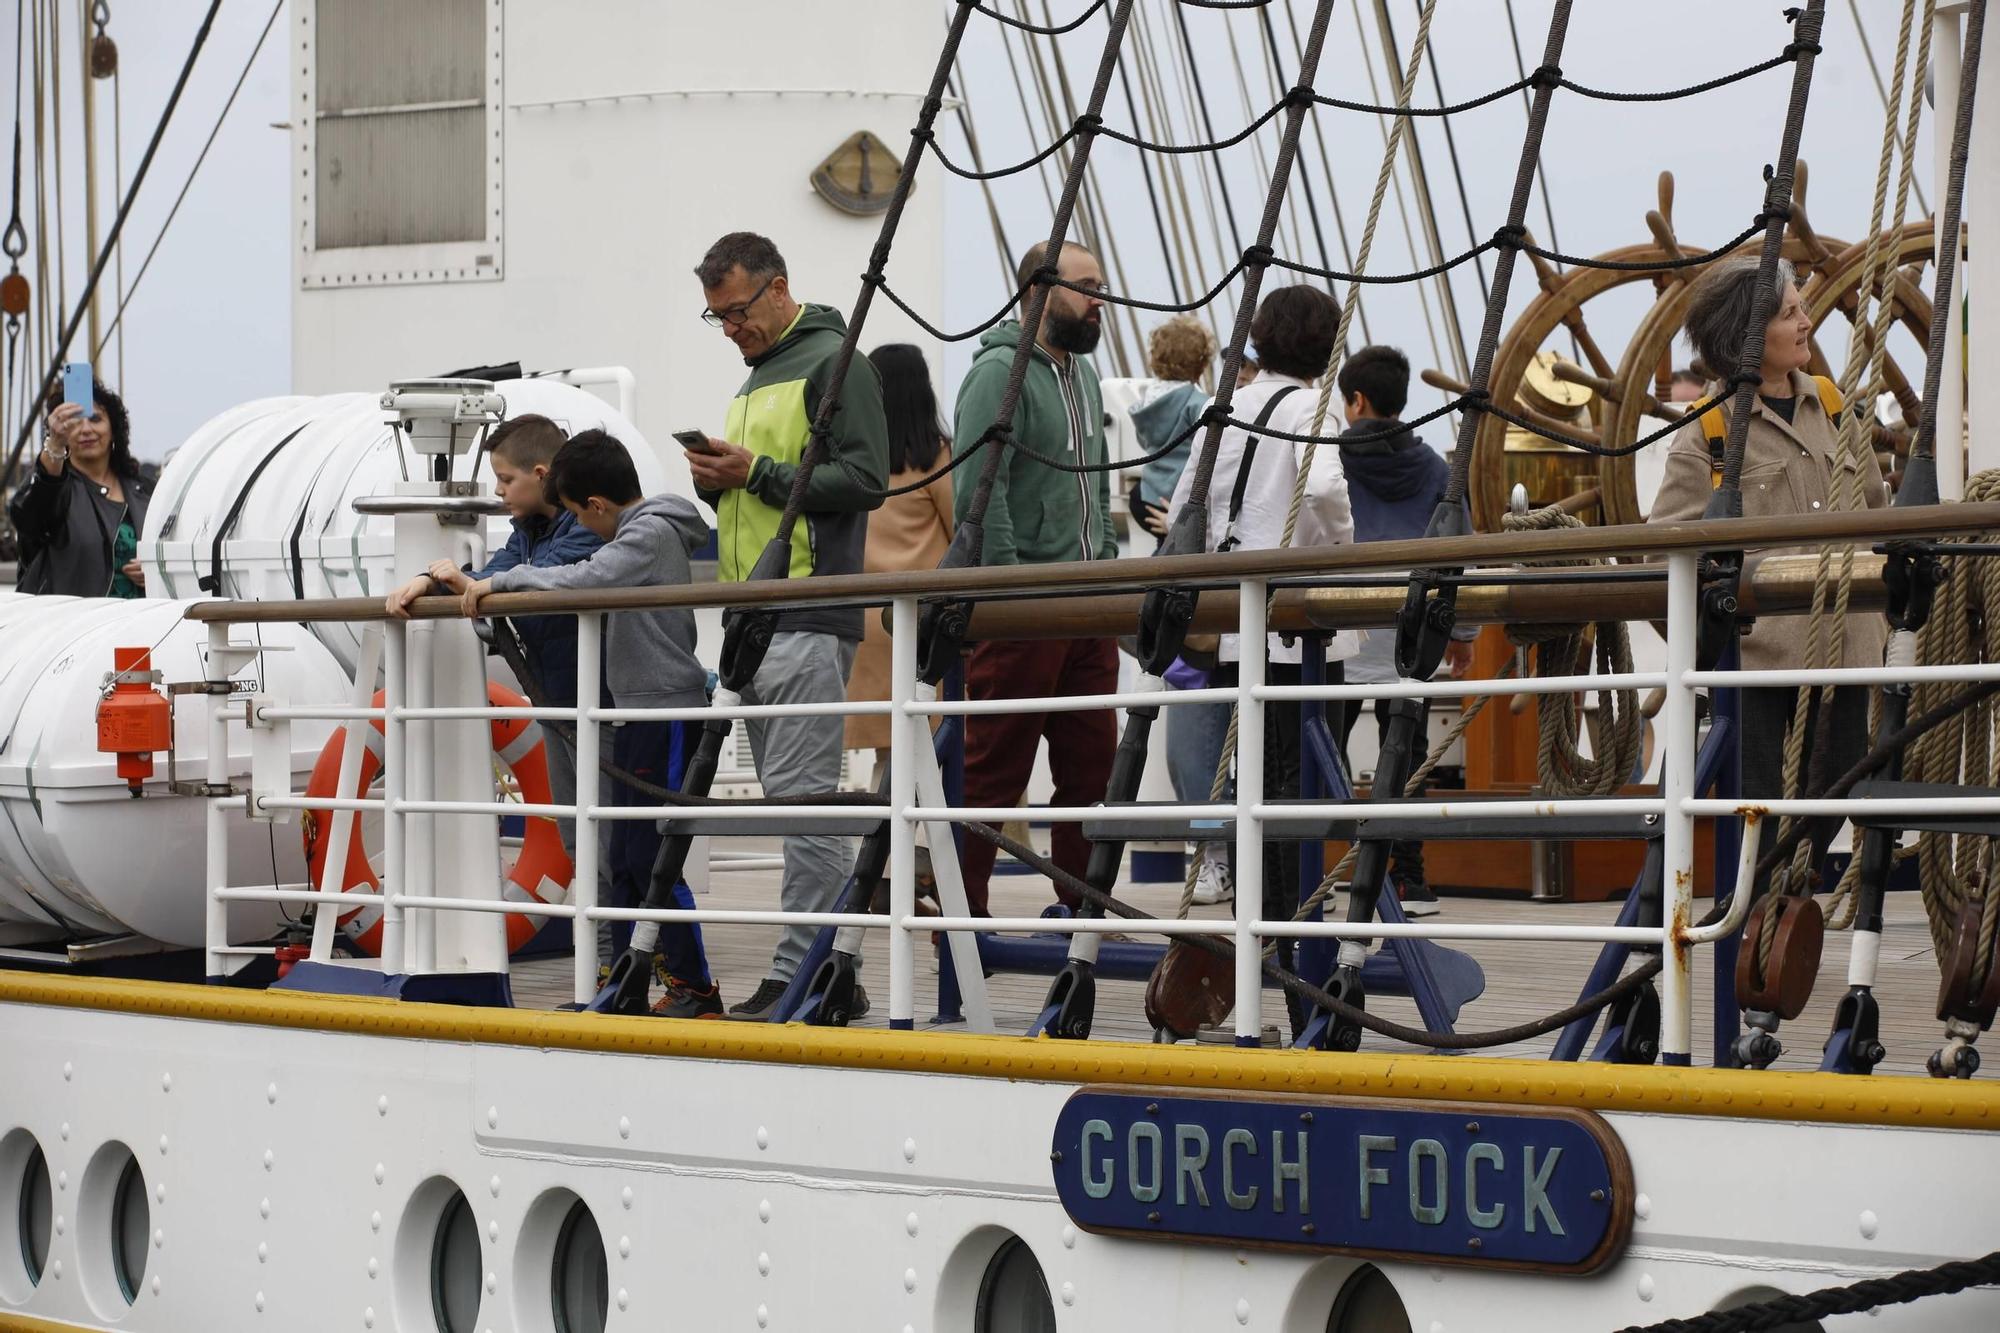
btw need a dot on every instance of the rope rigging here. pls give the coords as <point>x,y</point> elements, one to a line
<point>1219,784</point>
<point>124,300</point>
<point>1428,612</point>
<point>109,246</point>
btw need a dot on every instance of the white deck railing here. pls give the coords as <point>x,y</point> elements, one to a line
<point>408,898</point>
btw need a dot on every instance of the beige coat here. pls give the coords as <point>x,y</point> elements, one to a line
<point>907,532</point>
<point>1788,468</point>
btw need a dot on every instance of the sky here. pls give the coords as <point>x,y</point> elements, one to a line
<point>209,325</point>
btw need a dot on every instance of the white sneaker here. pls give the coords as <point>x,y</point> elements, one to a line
<point>1212,883</point>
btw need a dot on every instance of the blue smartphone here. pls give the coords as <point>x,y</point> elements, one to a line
<point>78,387</point>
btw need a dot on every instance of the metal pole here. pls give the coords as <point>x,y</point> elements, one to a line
<point>1677,786</point>
<point>583,874</point>
<point>215,829</point>
<point>342,828</point>
<point>905,734</point>
<point>89,92</point>
<point>395,675</point>
<point>1250,649</point>
<point>1982,212</point>
<point>420,777</point>
<point>1948,435</point>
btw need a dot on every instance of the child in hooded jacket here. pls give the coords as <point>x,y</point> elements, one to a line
<point>649,662</point>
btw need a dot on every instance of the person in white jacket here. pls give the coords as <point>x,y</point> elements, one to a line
<point>1249,495</point>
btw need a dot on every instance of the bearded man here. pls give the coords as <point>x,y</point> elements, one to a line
<point>1040,515</point>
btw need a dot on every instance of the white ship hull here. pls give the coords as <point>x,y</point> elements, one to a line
<point>297,1150</point>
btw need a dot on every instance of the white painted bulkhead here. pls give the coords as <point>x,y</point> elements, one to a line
<point>294,1180</point>
<point>621,139</point>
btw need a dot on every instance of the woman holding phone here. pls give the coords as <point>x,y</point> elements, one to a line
<point>80,514</point>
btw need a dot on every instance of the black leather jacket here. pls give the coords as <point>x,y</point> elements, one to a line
<point>67,530</point>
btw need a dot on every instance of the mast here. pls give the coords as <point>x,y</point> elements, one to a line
<point>89,147</point>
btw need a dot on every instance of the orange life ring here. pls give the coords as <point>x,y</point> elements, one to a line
<point>540,874</point>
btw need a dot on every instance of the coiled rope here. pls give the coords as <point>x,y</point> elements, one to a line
<point>1834,574</point>
<point>1956,870</point>
<point>1562,769</point>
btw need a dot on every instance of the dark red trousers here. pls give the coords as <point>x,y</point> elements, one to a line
<point>1000,748</point>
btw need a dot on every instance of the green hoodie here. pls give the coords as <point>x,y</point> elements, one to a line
<point>1038,515</point>
<point>772,416</point>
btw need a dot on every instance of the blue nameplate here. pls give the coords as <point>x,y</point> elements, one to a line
<point>1439,1182</point>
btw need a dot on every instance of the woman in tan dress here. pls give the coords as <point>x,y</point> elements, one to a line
<point>909,531</point>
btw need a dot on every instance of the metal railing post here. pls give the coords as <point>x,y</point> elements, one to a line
<point>395,757</point>
<point>215,827</point>
<point>584,870</point>
<point>1249,867</point>
<point>1676,788</point>
<point>420,758</point>
<point>905,734</point>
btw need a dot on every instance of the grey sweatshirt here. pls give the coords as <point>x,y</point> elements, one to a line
<point>649,659</point>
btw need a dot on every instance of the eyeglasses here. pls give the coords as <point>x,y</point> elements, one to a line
<point>736,314</point>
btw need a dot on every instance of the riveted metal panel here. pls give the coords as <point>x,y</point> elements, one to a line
<point>398,141</point>
<point>386,53</point>
<point>410,178</point>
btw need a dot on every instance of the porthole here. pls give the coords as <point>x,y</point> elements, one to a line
<point>37,1203</point>
<point>1759,1295</point>
<point>131,1225</point>
<point>456,1270</point>
<point>1013,1295</point>
<point>579,1280</point>
<point>25,1223</point>
<point>1368,1303</point>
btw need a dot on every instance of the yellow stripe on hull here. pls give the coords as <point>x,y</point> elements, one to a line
<point>1738,1094</point>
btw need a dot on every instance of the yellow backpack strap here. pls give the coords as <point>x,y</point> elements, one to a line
<point>1715,429</point>
<point>1829,396</point>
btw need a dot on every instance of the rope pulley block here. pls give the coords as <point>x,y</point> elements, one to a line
<point>1190,989</point>
<point>103,51</point>
<point>1795,928</point>
<point>1632,1029</point>
<point>14,295</point>
<point>1969,984</point>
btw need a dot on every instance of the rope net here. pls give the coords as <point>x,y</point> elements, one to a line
<point>1560,651</point>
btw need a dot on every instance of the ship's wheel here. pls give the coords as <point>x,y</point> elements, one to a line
<point>1625,398</point>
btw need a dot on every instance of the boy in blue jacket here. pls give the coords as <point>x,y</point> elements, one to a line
<point>649,662</point>
<point>545,535</point>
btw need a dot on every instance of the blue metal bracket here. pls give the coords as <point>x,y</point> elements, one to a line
<point>1717,756</point>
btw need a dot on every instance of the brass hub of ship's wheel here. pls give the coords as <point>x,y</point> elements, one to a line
<point>1628,394</point>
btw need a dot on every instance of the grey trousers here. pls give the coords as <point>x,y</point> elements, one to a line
<point>562,790</point>
<point>798,756</point>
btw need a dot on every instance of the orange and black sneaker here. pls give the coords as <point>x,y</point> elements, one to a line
<point>684,999</point>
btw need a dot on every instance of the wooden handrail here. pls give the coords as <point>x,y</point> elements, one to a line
<point>1631,542</point>
<point>1772,585</point>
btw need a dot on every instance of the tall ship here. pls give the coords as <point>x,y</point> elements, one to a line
<point>1631,972</point>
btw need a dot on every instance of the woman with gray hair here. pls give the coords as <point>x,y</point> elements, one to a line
<point>1792,464</point>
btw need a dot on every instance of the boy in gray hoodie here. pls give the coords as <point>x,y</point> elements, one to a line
<point>649,662</point>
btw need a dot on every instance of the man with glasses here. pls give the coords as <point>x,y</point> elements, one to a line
<point>747,476</point>
<point>1040,515</point>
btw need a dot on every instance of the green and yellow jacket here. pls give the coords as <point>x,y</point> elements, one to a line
<point>1038,515</point>
<point>772,416</point>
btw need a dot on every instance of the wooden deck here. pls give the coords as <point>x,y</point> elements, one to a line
<point>1523,979</point>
